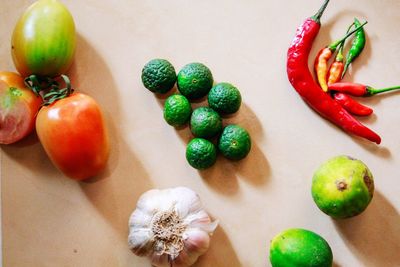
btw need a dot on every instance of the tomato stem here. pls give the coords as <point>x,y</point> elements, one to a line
<point>33,83</point>
<point>49,88</point>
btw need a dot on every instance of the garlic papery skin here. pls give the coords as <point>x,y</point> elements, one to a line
<point>171,227</point>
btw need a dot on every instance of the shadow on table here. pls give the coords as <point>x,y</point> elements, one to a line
<point>220,253</point>
<point>223,176</point>
<point>115,191</point>
<point>380,151</point>
<point>374,236</point>
<point>254,169</point>
<point>29,153</point>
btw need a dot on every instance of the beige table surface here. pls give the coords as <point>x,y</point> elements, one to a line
<point>49,220</point>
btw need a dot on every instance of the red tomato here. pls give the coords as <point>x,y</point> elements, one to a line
<point>18,108</point>
<point>74,135</point>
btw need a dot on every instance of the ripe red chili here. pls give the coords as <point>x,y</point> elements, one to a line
<point>301,79</point>
<point>356,89</point>
<point>351,105</point>
<point>335,74</point>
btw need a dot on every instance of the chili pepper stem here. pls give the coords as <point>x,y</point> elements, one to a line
<point>339,56</point>
<point>373,91</point>
<point>321,10</point>
<point>335,44</point>
<point>347,63</point>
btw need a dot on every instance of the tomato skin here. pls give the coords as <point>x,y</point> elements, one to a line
<point>74,136</point>
<point>18,108</point>
<point>44,40</point>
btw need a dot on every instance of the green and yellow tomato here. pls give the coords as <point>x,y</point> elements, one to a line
<point>44,39</point>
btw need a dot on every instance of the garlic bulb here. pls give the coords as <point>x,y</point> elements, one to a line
<point>170,227</point>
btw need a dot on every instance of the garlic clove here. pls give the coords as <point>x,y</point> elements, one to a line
<point>151,201</point>
<point>197,219</point>
<point>184,259</point>
<point>140,219</point>
<point>158,260</point>
<point>208,227</point>
<point>140,241</point>
<point>196,243</point>
<point>186,201</point>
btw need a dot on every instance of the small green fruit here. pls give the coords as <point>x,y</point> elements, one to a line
<point>234,143</point>
<point>194,80</point>
<point>177,110</point>
<point>342,187</point>
<point>159,76</point>
<point>205,122</point>
<point>224,98</point>
<point>300,248</point>
<point>201,153</point>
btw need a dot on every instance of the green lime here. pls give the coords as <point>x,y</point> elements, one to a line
<point>205,122</point>
<point>159,76</point>
<point>224,98</point>
<point>177,110</point>
<point>201,153</point>
<point>235,142</point>
<point>300,248</point>
<point>342,187</point>
<point>194,80</point>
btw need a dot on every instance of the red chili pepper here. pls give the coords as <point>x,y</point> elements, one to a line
<point>356,89</point>
<point>351,105</point>
<point>335,73</point>
<point>301,79</point>
<point>323,56</point>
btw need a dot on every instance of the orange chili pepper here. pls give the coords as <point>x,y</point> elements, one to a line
<point>335,74</point>
<point>321,61</point>
<point>337,67</point>
<point>321,64</point>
